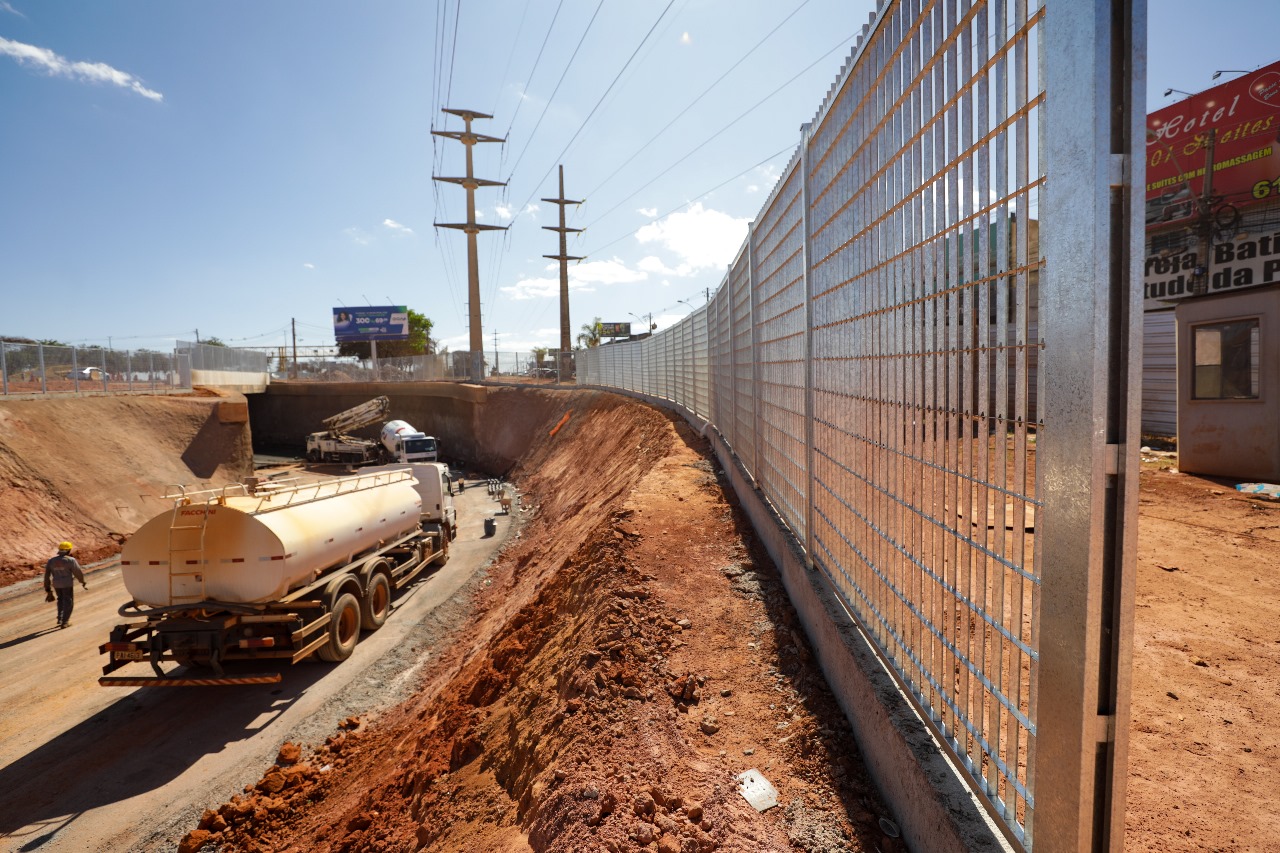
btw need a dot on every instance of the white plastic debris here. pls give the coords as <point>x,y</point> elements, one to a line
<point>1262,490</point>
<point>757,790</point>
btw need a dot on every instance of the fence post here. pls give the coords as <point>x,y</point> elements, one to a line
<point>4,371</point>
<point>1091,321</point>
<point>75,371</point>
<point>44,385</point>
<point>805,133</point>
<point>756,474</point>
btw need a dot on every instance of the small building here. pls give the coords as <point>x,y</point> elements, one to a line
<point>1211,358</point>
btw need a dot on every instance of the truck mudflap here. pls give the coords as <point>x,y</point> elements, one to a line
<point>187,681</point>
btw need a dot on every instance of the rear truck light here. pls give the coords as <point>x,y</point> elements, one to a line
<point>120,647</point>
<point>257,642</point>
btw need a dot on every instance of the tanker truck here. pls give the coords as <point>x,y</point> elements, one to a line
<point>402,443</point>
<point>268,571</point>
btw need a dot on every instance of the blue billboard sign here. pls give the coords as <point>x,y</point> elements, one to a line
<point>377,323</point>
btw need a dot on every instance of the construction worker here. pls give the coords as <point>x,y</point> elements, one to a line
<point>60,575</point>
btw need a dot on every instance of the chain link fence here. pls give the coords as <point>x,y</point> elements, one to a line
<point>49,369</point>
<point>450,366</point>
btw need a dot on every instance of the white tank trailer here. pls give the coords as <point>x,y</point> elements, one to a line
<point>265,570</point>
<point>435,489</point>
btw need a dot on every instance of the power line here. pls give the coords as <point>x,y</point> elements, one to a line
<point>699,197</point>
<point>534,69</point>
<point>723,130</point>
<point>696,100</point>
<point>556,89</point>
<point>536,316</point>
<point>559,158</point>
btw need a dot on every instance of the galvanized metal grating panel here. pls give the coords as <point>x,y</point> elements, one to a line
<point>874,359</point>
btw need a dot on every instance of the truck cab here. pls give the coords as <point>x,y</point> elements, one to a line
<point>402,443</point>
<point>416,448</point>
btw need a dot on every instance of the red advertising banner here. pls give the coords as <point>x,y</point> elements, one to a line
<point>1245,117</point>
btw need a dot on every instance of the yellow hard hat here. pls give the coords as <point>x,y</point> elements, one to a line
<point>64,546</point>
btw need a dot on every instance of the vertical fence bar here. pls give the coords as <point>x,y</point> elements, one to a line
<point>44,385</point>
<point>1091,326</point>
<point>807,343</point>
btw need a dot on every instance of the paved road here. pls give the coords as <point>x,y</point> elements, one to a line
<point>89,768</point>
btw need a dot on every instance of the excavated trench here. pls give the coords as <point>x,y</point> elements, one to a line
<point>628,655</point>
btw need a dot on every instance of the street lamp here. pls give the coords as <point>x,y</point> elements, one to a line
<point>649,327</point>
<point>1168,92</point>
<point>1218,74</point>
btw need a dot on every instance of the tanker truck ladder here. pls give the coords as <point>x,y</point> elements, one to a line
<point>186,551</point>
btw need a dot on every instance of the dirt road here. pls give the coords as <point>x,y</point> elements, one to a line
<point>84,767</point>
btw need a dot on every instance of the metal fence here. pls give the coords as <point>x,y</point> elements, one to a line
<point>921,356</point>
<point>450,366</point>
<point>49,369</point>
<point>223,359</point>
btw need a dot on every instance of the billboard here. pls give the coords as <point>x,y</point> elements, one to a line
<point>1243,116</point>
<point>615,330</point>
<point>374,323</point>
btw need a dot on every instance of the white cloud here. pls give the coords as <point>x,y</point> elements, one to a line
<point>699,238</point>
<point>768,177</point>
<point>503,210</point>
<point>647,212</point>
<point>308,266</point>
<point>5,7</point>
<point>582,278</point>
<point>57,66</point>
<point>397,227</point>
<point>358,236</point>
<point>685,38</point>
<point>654,264</point>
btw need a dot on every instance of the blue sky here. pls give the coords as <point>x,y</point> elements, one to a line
<point>233,166</point>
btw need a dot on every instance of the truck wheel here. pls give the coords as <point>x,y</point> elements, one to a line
<point>344,629</point>
<point>375,607</point>
<point>313,456</point>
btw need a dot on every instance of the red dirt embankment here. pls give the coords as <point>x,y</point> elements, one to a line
<point>632,654</point>
<point>92,469</point>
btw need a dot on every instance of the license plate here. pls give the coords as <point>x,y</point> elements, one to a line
<point>138,655</point>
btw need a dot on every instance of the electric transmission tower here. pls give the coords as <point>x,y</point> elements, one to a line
<point>566,344</point>
<point>471,227</point>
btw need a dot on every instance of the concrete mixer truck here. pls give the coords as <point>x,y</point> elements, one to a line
<point>268,571</point>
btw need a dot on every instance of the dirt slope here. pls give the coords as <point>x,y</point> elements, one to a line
<point>92,469</point>
<point>623,671</point>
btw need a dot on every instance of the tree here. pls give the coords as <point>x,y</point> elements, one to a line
<point>540,355</point>
<point>419,342</point>
<point>213,342</point>
<point>591,333</point>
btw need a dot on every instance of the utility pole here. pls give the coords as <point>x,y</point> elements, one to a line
<point>566,343</point>
<point>495,351</point>
<point>294,323</point>
<point>1206,217</point>
<point>470,182</point>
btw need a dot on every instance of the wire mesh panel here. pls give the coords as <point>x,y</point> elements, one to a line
<point>780,349</point>
<point>720,359</point>
<point>920,170</point>
<point>880,362</point>
<point>741,322</point>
